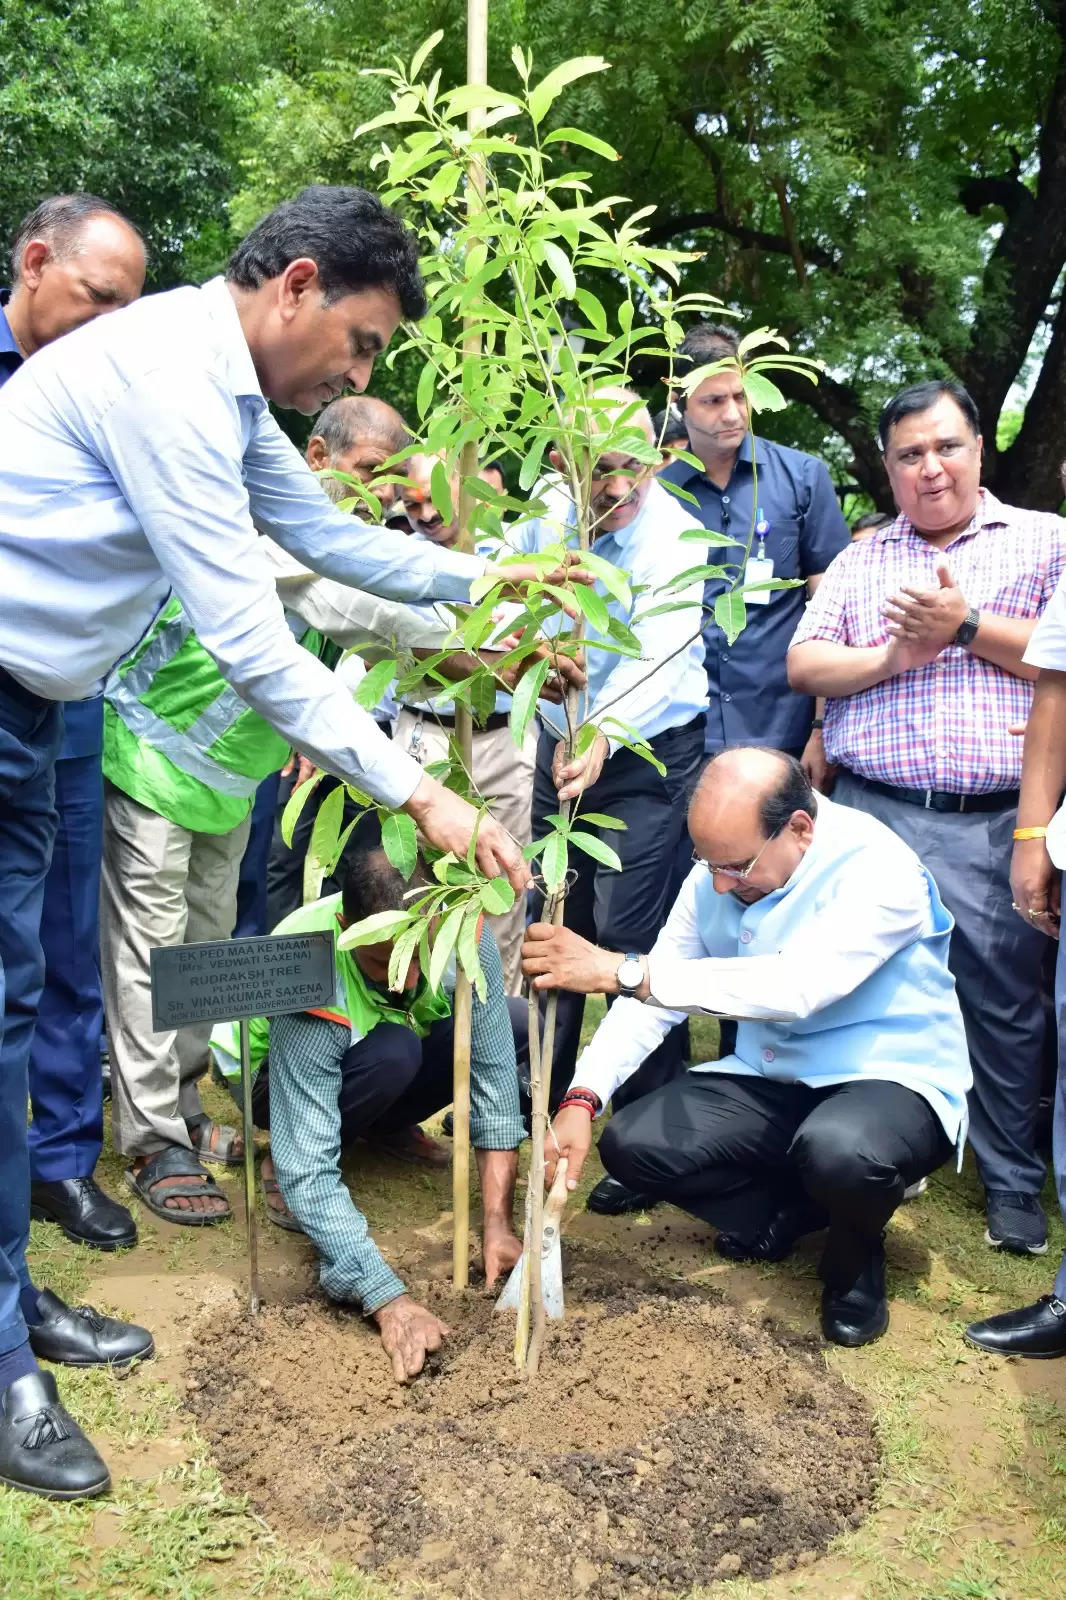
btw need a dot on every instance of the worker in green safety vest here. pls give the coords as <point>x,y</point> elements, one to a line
<point>374,1062</point>
<point>183,756</point>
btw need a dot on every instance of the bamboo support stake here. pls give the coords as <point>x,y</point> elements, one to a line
<point>477,25</point>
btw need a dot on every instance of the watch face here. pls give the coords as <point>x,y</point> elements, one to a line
<point>630,974</point>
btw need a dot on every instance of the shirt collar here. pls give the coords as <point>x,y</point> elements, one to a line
<point>988,513</point>
<point>7,338</point>
<point>223,313</point>
<point>682,474</point>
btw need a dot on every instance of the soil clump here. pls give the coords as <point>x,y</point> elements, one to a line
<point>668,1441</point>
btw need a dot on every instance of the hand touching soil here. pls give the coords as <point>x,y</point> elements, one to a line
<point>409,1332</point>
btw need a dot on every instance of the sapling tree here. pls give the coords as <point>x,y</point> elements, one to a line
<point>519,270</point>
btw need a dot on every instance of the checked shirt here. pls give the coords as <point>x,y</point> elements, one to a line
<point>944,726</point>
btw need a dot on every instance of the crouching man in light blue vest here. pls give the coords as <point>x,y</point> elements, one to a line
<point>822,932</point>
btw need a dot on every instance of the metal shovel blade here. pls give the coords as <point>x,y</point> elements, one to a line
<point>551,1259</point>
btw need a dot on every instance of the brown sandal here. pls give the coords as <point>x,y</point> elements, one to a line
<point>214,1141</point>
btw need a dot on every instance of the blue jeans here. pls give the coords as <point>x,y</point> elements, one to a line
<point>30,735</point>
<point>66,1086</point>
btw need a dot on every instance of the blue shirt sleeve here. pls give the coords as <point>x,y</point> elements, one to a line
<point>824,533</point>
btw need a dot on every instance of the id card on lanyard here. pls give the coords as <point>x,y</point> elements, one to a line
<point>759,567</point>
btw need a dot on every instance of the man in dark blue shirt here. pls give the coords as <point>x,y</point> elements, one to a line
<point>73,258</point>
<point>790,496</point>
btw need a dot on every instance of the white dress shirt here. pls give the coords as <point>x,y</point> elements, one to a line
<point>664,687</point>
<point>138,456</point>
<point>1047,648</point>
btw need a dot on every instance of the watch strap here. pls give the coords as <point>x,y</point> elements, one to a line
<point>967,630</point>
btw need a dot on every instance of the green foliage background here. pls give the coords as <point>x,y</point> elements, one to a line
<point>883,180</point>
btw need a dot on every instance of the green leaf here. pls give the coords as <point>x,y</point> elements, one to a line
<point>440,488</point>
<point>373,686</point>
<point>400,842</point>
<point>612,578</point>
<point>559,262</point>
<point>625,315</point>
<point>382,926</point>
<point>422,54</point>
<point>593,605</point>
<point>482,697</point>
<point>597,820</point>
<point>530,469</point>
<point>478,97</point>
<point>596,848</point>
<point>593,310</point>
<point>586,738</point>
<point>468,954</point>
<point>587,141</point>
<point>402,951</point>
<point>326,831</point>
<point>730,614</point>
<point>524,699</point>
<point>295,804</point>
<point>496,896</point>
<point>762,395</point>
<point>553,862</point>
<point>550,88</point>
<point>443,185</point>
<point>426,385</point>
<point>444,944</point>
<point>404,109</point>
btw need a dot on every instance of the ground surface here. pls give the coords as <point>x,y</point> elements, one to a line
<point>293,1475</point>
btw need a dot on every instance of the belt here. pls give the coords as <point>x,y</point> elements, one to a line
<point>18,691</point>
<point>943,799</point>
<point>497,719</point>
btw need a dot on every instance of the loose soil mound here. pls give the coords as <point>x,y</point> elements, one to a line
<point>668,1441</point>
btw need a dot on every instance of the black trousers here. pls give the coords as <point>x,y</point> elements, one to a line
<point>392,1078</point>
<point>624,910</point>
<point>732,1149</point>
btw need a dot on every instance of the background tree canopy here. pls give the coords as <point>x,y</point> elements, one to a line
<point>883,180</point>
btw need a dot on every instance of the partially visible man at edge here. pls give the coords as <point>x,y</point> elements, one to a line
<point>98,526</point>
<point>917,638</point>
<point>74,258</point>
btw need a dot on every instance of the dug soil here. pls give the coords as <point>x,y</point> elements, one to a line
<point>669,1440</point>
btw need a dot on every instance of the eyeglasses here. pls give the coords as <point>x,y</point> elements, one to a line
<point>741,874</point>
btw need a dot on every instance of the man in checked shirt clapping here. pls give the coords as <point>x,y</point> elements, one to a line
<point>916,637</point>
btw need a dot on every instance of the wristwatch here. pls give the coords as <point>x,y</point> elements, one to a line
<point>630,974</point>
<point>967,631</point>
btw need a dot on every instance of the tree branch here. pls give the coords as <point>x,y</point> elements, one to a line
<point>721,220</point>
<point>1028,473</point>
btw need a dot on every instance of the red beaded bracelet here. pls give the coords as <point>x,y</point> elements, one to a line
<point>586,1102</point>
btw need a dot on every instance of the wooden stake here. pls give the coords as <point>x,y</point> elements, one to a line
<point>249,1167</point>
<point>477,25</point>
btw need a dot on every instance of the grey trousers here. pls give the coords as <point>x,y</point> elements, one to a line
<point>160,885</point>
<point>996,960</point>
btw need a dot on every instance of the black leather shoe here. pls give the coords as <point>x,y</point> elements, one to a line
<point>78,1336</point>
<point>612,1199</point>
<point>777,1240</point>
<point>42,1449</point>
<point>84,1212</point>
<point>857,1314</point>
<point>1038,1331</point>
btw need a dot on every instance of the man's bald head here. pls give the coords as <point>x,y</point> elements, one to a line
<point>73,258</point>
<point>752,805</point>
<point>357,435</point>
